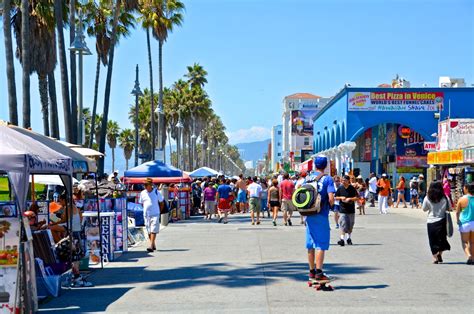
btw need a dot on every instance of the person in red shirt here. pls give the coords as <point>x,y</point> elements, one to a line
<point>287,187</point>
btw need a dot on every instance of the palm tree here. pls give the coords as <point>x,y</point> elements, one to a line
<point>58,13</point>
<point>98,21</point>
<point>7,33</point>
<point>165,14</point>
<point>25,62</point>
<point>127,143</point>
<point>113,131</point>
<point>108,82</point>
<point>53,109</point>
<point>196,75</point>
<point>43,52</point>
<point>86,114</point>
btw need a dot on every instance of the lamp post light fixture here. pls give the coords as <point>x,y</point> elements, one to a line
<point>79,47</point>
<point>137,92</point>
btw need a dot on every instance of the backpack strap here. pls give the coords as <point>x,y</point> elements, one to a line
<point>319,177</point>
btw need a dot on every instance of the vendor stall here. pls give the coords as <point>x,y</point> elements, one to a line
<point>174,184</point>
<point>21,156</point>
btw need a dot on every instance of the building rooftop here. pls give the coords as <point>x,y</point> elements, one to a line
<point>303,96</point>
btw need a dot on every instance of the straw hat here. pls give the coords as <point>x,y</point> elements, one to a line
<point>148,181</point>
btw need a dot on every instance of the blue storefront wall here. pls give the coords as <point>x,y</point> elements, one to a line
<point>335,124</point>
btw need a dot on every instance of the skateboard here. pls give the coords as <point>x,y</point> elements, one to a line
<point>321,285</point>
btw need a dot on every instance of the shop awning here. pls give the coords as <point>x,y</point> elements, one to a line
<point>87,152</point>
<point>80,163</point>
<point>153,169</point>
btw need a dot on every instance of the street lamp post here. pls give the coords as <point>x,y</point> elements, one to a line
<point>79,47</point>
<point>159,112</point>
<point>136,91</point>
<point>179,126</point>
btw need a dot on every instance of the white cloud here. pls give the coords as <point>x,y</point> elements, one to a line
<point>253,134</point>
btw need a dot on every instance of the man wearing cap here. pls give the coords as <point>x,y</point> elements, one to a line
<point>384,185</point>
<point>114,177</point>
<point>317,226</point>
<point>152,202</point>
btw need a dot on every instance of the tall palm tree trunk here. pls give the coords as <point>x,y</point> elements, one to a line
<point>43,92</point>
<point>113,158</point>
<point>160,95</point>
<point>94,106</point>
<point>72,63</point>
<point>169,141</point>
<point>63,68</point>
<point>25,57</point>
<point>53,109</point>
<point>7,34</point>
<point>126,163</point>
<point>108,84</point>
<point>152,100</point>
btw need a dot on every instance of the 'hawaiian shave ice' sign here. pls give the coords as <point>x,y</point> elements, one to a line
<point>395,101</point>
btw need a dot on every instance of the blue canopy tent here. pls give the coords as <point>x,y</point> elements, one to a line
<point>157,170</point>
<point>204,172</point>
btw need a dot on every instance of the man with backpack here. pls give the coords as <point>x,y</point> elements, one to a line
<point>317,225</point>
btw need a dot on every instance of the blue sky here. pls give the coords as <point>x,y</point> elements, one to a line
<point>258,51</point>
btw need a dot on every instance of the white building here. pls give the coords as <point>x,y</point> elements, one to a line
<point>298,112</point>
<point>277,146</point>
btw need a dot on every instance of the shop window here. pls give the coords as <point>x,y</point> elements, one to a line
<point>306,141</point>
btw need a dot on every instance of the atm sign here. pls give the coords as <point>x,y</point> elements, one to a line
<point>429,146</point>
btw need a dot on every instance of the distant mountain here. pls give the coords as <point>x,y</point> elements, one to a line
<point>249,151</point>
<point>253,151</point>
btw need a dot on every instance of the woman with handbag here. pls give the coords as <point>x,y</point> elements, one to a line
<point>437,205</point>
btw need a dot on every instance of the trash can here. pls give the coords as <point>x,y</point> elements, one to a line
<point>164,219</point>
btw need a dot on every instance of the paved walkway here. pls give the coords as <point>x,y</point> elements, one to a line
<point>204,267</point>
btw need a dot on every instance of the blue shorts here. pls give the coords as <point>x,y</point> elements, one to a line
<point>241,197</point>
<point>317,232</point>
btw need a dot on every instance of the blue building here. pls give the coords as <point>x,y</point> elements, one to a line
<point>384,129</point>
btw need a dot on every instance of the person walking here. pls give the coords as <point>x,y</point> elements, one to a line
<point>274,200</point>
<point>254,190</point>
<point>384,186</point>
<point>401,192</point>
<point>465,221</point>
<point>336,207</point>
<point>421,188</point>
<point>287,188</point>
<point>347,195</point>
<point>224,192</point>
<point>264,198</point>
<point>152,202</point>
<point>210,198</point>
<point>436,205</point>
<point>241,185</point>
<point>414,201</point>
<point>447,190</point>
<point>361,188</point>
<point>372,189</point>
<point>317,226</point>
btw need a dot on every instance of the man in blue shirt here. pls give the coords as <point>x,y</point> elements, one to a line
<point>224,193</point>
<point>317,226</point>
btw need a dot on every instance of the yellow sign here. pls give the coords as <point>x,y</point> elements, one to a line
<point>449,157</point>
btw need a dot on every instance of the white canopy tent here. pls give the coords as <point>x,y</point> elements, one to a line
<point>204,172</point>
<point>21,156</point>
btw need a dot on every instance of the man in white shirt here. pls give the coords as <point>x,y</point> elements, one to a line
<point>254,190</point>
<point>372,189</point>
<point>152,202</point>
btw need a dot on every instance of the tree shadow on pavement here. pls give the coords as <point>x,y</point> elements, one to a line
<point>84,300</point>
